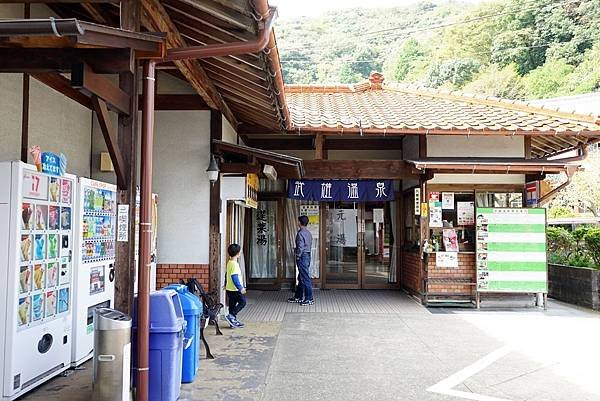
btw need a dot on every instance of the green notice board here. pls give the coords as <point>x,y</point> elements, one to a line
<point>511,250</point>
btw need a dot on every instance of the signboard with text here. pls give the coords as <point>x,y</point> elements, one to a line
<point>511,250</point>
<point>341,190</point>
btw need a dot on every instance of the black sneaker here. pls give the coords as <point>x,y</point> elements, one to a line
<point>307,302</point>
<point>294,300</point>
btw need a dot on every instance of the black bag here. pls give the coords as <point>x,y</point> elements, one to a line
<point>210,310</point>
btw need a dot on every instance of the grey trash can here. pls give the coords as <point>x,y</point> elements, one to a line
<point>112,355</point>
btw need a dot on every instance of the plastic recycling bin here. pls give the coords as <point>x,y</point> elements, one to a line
<point>112,355</point>
<point>192,311</point>
<point>167,327</point>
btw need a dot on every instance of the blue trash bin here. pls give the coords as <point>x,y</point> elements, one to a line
<point>192,310</point>
<point>167,327</point>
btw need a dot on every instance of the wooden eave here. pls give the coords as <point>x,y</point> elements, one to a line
<point>467,165</point>
<point>87,36</point>
<point>286,166</point>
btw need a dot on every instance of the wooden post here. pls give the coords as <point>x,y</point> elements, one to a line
<point>320,151</point>
<point>214,246</point>
<point>125,265</point>
<point>25,108</point>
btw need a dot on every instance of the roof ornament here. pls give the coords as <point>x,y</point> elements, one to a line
<point>376,80</point>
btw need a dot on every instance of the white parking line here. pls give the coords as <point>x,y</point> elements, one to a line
<point>446,386</point>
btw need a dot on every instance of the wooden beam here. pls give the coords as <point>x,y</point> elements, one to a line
<point>33,60</point>
<point>422,146</point>
<point>319,151</point>
<point>288,142</point>
<point>83,78</point>
<point>527,144</point>
<point>177,102</point>
<point>127,133</point>
<point>214,220</point>
<point>158,19</point>
<point>239,168</point>
<point>358,169</point>
<point>370,143</point>
<point>110,137</point>
<point>63,85</point>
<point>25,105</point>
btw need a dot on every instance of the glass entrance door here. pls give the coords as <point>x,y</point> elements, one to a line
<point>359,246</point>
<point>342,245</point>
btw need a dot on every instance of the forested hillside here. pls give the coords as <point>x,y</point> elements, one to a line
<point>509,48</point>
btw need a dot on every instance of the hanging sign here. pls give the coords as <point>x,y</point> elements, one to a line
<point>341,190</point>
<point>532,191</point>
<point>424,209</point>
<point>417,201</point>
<point>252,190</point>
<point>378,216</point>
<point>123,223</point>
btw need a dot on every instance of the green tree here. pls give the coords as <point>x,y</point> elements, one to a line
<point>547,80</point>
<point>505,83</point>
<point>456,72</point>
<point>411,55</point>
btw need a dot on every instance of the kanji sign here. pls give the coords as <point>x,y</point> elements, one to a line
<point>341,190</point>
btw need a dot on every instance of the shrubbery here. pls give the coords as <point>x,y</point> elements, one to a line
<point>579,248</point>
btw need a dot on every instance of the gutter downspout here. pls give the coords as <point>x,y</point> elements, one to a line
<point>149,74</point>
<point>583,153</point>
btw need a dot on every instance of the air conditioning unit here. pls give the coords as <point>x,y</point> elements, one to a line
<point>270,172</point>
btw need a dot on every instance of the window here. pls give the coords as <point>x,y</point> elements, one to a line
<point>499,199</point>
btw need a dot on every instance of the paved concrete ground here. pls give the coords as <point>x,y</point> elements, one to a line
<point>416,354</point>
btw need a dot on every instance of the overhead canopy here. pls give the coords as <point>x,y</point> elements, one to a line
<point>72,33</point>
<point>493,165</point>
<point>244,159</point>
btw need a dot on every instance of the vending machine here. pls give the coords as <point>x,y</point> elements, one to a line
<point>36,250</point>
<point>94,273</point>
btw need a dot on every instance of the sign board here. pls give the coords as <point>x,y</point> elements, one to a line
<point>435,214</point>
<point>35,186</point>
<point>123,222</point>
<point>251,196</point>
<point>341,190</point>
<point>448,200</point>
<point>378,216</point>
<point>417,201</point>
<point>511,250</point>
<point>465,212</point>
<point>532,193</point>
<point>53,164</point>
<point>446,259</point>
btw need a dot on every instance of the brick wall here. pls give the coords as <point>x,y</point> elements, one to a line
<point>171,273</point>
<point>411,271</point>
<point>452,280</point>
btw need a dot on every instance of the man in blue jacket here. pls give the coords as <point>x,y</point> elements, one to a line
<point>304,293</point>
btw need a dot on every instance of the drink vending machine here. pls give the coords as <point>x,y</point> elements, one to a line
<point>94,277</point>
<point>36,264</point>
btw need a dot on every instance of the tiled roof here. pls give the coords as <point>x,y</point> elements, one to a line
<point>376,108</point>
<point>411,110</point>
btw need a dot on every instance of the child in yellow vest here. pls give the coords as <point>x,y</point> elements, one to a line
<point>234,287</point>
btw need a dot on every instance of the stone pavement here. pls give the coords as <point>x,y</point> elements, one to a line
<point>411,354</point>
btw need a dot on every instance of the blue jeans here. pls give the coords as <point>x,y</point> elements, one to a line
<point>304,288</point>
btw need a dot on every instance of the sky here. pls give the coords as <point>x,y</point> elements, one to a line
<point>312,8</point>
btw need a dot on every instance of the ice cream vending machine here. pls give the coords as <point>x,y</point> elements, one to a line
<point>36,250</point>
<point>94,273</point>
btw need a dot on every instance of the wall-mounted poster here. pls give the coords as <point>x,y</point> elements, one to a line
<point>465,212</point>
<point>511,250</point>
<point>450,240</point>
<point>435,214</point>
<point>448,200</point>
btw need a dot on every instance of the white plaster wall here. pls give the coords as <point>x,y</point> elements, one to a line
<point>181,151</point>
<point>56,123</point>
<point>229,134</point>
<point>475,146</point>
<point>99,146</point>
<point>410,151</point>
<point>59,124</point>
